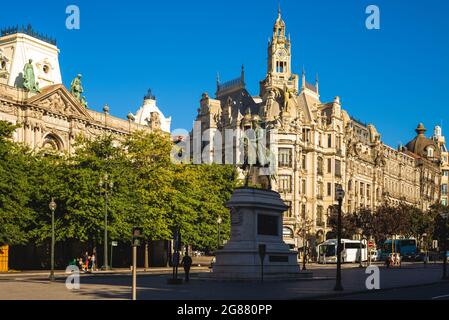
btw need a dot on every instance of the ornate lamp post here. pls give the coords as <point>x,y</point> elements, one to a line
<point>360,233</point>
<point>52,206</point>
<point>445,216</point>
<point>219,221</point>
<point>105,188</point>
<point>340,196</point>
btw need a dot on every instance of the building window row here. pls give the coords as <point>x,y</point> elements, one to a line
<point>285,183</point>
<point>285,157</point>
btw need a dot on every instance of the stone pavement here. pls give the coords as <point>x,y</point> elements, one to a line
<point>153,286</point>
<point>115,271</point>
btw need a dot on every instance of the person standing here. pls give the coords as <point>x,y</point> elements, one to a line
<point>94,262</point>
<point>186,263</point>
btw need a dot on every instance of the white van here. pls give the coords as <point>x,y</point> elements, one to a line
<point>352,250</point>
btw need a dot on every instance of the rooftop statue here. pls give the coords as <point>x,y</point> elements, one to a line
<point>76,89</point>
<point>29,79</point>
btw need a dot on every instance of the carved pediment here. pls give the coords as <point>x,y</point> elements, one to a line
<point>58,100</point>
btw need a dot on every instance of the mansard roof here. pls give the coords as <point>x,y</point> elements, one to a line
<point>241,100</point>
<point>420,144</point>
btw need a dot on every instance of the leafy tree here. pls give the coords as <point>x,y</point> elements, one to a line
<point>15,213</point>
<point>347,223</point>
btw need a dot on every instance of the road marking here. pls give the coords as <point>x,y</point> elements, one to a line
<point>440,297</point>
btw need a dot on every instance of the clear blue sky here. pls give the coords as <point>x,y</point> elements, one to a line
<point>394,78</point>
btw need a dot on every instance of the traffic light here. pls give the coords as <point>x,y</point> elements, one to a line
<point>137,236</point>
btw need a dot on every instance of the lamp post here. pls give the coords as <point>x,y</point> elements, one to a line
<point>219,221</point>
<point>360,233</point>
<point>445,216</point>
<point>340,196</point>
<point>304,246</point>
<point>424,242</point>
<point>304,234</point>
<point>105,188</point>
<point>52,206</point>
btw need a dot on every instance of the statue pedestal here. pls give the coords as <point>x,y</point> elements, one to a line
<point>256,218</point>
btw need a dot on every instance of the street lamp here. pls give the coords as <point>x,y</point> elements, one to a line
<point>304,244</point>
<point>105,188</point>
<point>340,194</point>
<point>424,243</point>
<point>445,216</point>
<point>52,206</point>
<point>219,221</point>
<point>360,233</point>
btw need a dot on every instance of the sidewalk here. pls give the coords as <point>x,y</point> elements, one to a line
<point>153,285</point>
<point>115,271</point>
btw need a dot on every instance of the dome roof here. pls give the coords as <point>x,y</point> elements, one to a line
<point>149,106</point>
<point>420,145</point>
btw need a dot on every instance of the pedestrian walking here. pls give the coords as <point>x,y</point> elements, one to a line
<point>186,263</point>
<point>81,264</point>
<point>86,261</point>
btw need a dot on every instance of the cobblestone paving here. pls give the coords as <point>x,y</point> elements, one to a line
<point>154,286</point>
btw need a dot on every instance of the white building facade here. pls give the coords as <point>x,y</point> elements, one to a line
<point>52,117</point>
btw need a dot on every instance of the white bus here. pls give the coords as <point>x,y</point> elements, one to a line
<point>351,252</point>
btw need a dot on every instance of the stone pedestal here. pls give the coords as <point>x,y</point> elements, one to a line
<point>256,218</point>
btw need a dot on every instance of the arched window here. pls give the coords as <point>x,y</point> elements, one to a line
<point>52,143</point>
<point>430,152</point>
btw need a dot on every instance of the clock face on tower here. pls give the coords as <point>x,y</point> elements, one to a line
<point>281,53</point>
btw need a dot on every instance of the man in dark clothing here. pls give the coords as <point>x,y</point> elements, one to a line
<point>186,263</point>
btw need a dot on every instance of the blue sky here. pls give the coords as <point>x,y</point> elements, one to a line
<point>394,78</point>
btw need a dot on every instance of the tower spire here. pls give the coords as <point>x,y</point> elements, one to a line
<point>218,81</point>
<point>303,78</point>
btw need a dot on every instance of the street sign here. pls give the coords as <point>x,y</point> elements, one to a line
<point>114,243</point>
<point>340,194</point>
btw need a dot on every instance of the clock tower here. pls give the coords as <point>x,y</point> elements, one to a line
<point>279,72</point>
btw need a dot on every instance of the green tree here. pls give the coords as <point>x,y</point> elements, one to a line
<point>15,189</point>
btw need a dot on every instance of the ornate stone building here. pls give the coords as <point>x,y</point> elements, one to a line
<point>50,116</point>
<point>440,140</point>
<point>319,146</point>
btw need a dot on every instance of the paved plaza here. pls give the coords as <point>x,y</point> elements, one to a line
<point>153,285</point>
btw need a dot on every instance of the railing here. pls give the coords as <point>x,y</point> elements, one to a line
<point>29,31</point>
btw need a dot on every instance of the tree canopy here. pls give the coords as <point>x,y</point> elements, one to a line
<point>148,190</point>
